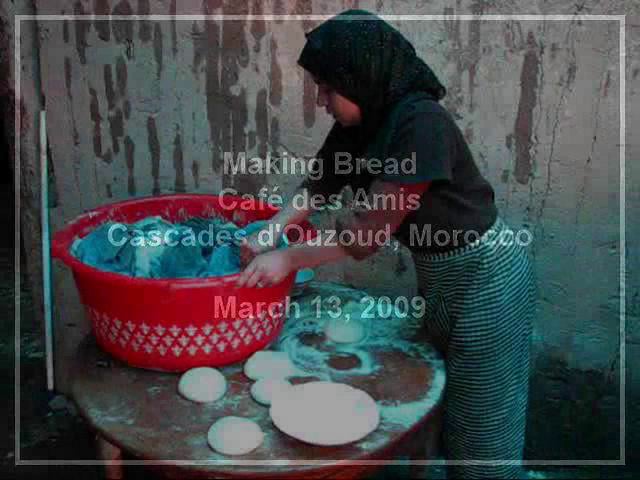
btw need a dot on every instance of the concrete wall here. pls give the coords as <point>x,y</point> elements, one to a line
<point>145,107</point>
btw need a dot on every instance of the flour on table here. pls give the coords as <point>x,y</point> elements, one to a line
<point>344,330</point>
<point>235,436</point>
<point>202,385</point>
<point>265,390</point>
<point>269,364</point>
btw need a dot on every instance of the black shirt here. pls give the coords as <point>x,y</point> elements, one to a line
<point>459,204</point>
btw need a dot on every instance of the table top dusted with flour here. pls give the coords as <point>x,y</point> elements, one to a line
<point>141,411</point>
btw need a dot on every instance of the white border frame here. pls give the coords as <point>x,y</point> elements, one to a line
<point>619,18</point>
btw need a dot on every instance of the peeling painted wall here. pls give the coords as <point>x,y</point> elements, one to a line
<point>146,107</point>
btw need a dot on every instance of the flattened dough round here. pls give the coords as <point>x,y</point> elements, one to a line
<point>344,330</point>
<point>266,389</point>
<point>269,364</point>
<point>235,436</point>
<point>202,385</point>
<point>325,413</point>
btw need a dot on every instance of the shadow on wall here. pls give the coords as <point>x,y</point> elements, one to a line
<point>575,415</point>
<point>7,204</point>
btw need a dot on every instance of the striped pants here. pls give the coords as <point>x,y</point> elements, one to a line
<point>480,301</point>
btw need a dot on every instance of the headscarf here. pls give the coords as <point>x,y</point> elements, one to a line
<point>368,61</point>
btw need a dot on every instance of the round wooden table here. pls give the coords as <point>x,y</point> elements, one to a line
<point>140,412</point>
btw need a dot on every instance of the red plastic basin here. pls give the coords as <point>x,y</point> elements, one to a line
<point>176,324</point>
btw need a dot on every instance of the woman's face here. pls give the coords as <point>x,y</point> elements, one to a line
<point>341,108</point>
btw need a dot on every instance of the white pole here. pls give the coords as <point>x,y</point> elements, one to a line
<point>46,246</point>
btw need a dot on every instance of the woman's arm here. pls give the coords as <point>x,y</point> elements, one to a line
<point>369,223</point>
<point>399,201</point>
<point>313,255</point>
<point>256,244</point>
<point>290,214</point>
<point>272,267</point>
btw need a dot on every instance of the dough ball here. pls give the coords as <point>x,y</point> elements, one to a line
<point>235,436</point>
<point>264,391</point>
<point>344,330</point>
<point>202,385</point>
<point>269,364</point>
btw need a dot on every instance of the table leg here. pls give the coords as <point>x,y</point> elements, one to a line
<point>112,454</point>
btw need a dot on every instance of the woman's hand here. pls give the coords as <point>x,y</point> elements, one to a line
<point>251,247</point>
<point>267,269</point>
<point>257,243</point>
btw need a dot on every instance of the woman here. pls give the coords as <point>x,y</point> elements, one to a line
<point>479,290</point>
